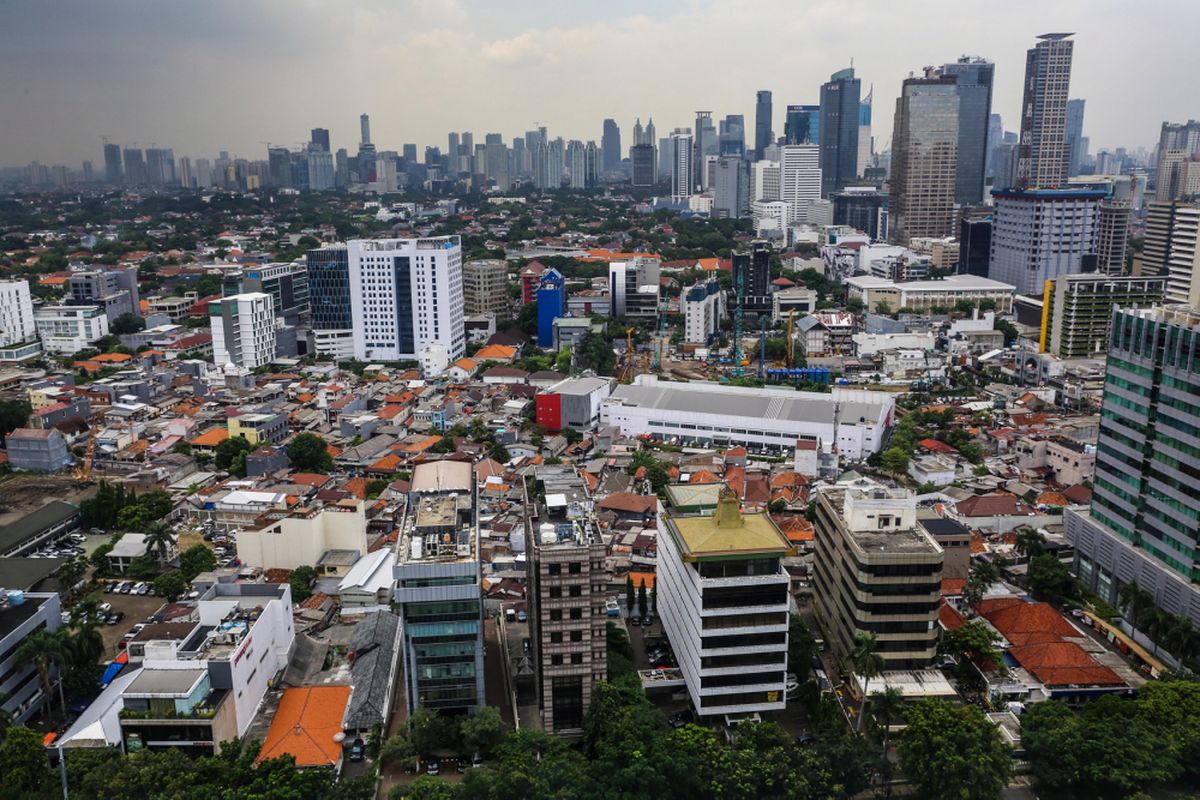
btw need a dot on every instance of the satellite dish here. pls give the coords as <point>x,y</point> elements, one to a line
<point>339,737</point>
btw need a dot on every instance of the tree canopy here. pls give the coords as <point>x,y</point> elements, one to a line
<point>953,752</point>
<point>307,453</point>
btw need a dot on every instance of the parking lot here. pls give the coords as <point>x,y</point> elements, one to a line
<point>136,609</point>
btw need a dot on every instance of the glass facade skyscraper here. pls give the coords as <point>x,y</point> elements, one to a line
<point>802,125</point>
<point>762,123</point>
<point>924,157</point>
<point>839,131</point>
<point>974,82</point>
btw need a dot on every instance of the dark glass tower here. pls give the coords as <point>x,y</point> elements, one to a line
<point>802,125</point>
<point>839,130</point>
<point>610,146</point>
<point>762,123</point>
<point>974,81</point>
<point>329,289</point>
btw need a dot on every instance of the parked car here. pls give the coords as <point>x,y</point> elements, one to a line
<point>358,750</point>
<point>433,768</point>
<point>143,588</point>
<point>105,608</point>
<point>126,588</point>
<point>792,684</point>
<point>522,616</point>
<point>682,718</point>
<point>114,618</point>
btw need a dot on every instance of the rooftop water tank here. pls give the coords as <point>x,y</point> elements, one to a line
<point>417,548</point>
<point>16,597</point>
<point>548,533</point>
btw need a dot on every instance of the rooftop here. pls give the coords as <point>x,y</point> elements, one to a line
<point>53,513</point>
<point>728,532</point>
<point>304,726</point>
<point>169,682</point>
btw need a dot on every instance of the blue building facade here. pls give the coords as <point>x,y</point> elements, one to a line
<point>551,303</point>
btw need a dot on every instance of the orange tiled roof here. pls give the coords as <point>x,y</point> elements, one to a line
<point>703,476</point>
<point>304,726</point>
<point>496,351</point>
<point>389,463</point>
<point>1063,664</point>
<point>356,487</point>
<point>112,358</point>
<point>642,577</point>
<point>211,437</point>
<point>421,446</point>
<point>1025,623</point>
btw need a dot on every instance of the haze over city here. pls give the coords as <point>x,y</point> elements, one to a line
<point>224,75</point>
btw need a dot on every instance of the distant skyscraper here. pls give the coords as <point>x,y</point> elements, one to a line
<point>681,164</point>
<point>638,132</point>
<point>995,139</point>
<point>924,147</point>
<point>1043,156</point>
<point>802,125</point>
<point>666,156</point>
<point>610,146</point>
<point>762,123</point>
<point>649,134</point>
<point>364,124</point>
<point>839,130</point>
<point>409,152</point>
<point>496,157</point>
<point>1177,144</point>
<point>320,138</point>
<point>642,160</point>
<point>974,82</point>
<point>592,155</point>
<point>865,149</point>
<point>703,126</point>
<point>799,178</point>
<point>576,164</point>
<point>1076,141</point>
<point>135,166</point>
<point>112,163</point>
<point>732,136</point>
<point>731,188</point>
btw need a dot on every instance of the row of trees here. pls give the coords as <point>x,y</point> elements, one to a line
<point>114,508</point>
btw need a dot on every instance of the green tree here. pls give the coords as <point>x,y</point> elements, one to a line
<point>1050,580</point>
<point>45,650</point>
<point>424,787</point>
<point>170,585</point>
<point>802,648</point>
<point>377,486</point>
<point>23,763</point>
<point>482,731</point>
<point>196,559</point>
<point>895,461</point>
<point>127,323</point>
<point>301,581</point>
<point>643,602</point>
<point>1029,542</point>
<point>866,662</point>
<point>160,539</point>
<point>563,362</point>
<point>307,453</point>
<point>1136,602</point>
<point>13,414</point>
<point>975,641</point>
<point>231,455</point>
<point>982,575</point>
<point>953,752</point>
<point>431,732</point>
<point>630,596</point>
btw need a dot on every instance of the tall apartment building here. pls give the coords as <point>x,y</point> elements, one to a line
<point>23,694</point>
<point>114,289</point>
<point>243,329</point>
<point>1142,522</point>
<point>799,178</point>
<point>438,590</point>
<point>633,287</point>
<point>1077,310</point>
<point>877,571</point>
<point>330,315</point>
<point>973,78</point>
<point>703,308</point>
<point>1177,144</point>
<point>407,300</point>
<point>644,164</point>
<point>764,181</point>
<point>1172,248</point>
<point>1043,157</point>
<point>68,329</point>
<point>1039,234</point>
<point>924,159</point>
<point>839,130</point>
<point>16,313</point>
<point>681,164</point>
<point>752,277</point>
<point>567,585</point>
<point>286,282</point>
<point>485,286</point>
<point>731,188</point>
<point>112,163</point>
<point>723,600</point>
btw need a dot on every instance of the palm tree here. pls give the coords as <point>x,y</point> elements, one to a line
<point>982,575</point>
<point>1181,639</point>
<point>71,572</point>
<point>1029,542</point>
<point>1136,602</point>
<point>867,664</point>
<point>86,645</point>
<point>885,707</point>
<point>160,538</point>
<point>45,649</point>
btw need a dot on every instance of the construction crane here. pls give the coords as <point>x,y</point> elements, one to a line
<point>628,371</point>
<point>83,470</point>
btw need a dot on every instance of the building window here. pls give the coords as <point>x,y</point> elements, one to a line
<point>556,660</point>
<point>556,637</point>
<point>554,569</point>
<point>576,613</point>
<point>556,615</point>
<point>555,592</point>
<point>576,636</point>
<point>576,658</point>
<point>574,591</point>
<point>575,568</point>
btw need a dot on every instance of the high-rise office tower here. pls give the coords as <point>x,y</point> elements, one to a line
<point>666,156</point>
<point>1076,141</point>
<point>407,300</point>
<point>681,164</point>
<point>243,329</point>
<point>279,166</point>
<point>1040,234</point>
<point>731,136</point>
<point>802,125</point>
<point>576,164</point>
<point>642,160</point>
<point>591,154</point>
<point>364,124</point>
<point>638,132</point>
<point>839,130</point>
<point>409,151</point>
<point>135,166</point>
<point>1043,157</point>
<point>762,123</point>
<point>610,146</point>
<point>319,137</point>
<point>567,589</point>
<point>1177,145</point>
<point>112,163</point>
<point>865,148</point>
<point>1172,248</point>
<point>995,138</point>
<point>330,307</point>
<point>496,156</point>
<point>1142,523</point>
<point>731,188</point>
<point>924,159</point>
<point>703,125</point>
<point>799,179</point>
<point>859,208</point>
<point>974,84</point>
<point>438,591</point>
<point>975,242</point>
<point>751,273</point>
<point>452,151</point>
<point>650,133</point>
<point>1112,236</point>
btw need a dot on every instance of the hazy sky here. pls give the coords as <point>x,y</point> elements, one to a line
<point>208,75</point>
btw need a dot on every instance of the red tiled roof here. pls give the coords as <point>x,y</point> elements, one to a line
<point>1025,623</point>
<point>304,726</point>
<point>934,446</point>
<point>949,617</point>
<point>1063,664</point>
<point>629,502</point>
<point>993,505</point>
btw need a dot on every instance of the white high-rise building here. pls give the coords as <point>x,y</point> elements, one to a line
<point>1040,234</point>
<point>799,178</point>
<point>681,164</point>
<point>764,181</point>
<point>67,329</point>
<point>243,329</point>
<point>703,308</point>
<point>16,313</point>
<point>407,300</point>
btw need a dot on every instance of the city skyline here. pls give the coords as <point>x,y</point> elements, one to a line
<point>185,86</point>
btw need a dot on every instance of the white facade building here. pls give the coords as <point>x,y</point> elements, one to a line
<point>764,181</point>
<point>681,164</point>
<point>923,296</point>
<point>69,329</point>
<point>703,308</point>
<point>243,329</point>
<point>799,178</point>
<point>1040,234</point>
<point>290,540</point>
<point>407,299</point>
<point>16,313</point>
<point>701,411</point>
